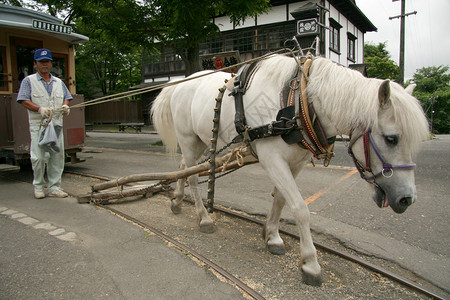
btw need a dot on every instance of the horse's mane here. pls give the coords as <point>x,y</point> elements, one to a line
<point>351,97</point>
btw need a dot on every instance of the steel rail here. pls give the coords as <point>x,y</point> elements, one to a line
<point>254,294</point>
<point>347,256</point>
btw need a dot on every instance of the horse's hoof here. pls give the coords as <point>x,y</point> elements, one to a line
<point>312,279</point>
<point>207,227</point>
<point>277,249</point>
<point>176,209</point>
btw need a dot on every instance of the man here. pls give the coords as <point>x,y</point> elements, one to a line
<point>41,94</point>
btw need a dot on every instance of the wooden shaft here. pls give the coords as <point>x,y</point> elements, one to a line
<point>168,176</point>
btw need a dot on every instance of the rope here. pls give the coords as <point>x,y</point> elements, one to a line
<point>119,189</point>
<point>237,152</point>
<point>45,123</point>
<point>127,94</point>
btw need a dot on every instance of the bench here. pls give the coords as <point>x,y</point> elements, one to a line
<point>88,126</point>
<point>135,126</point>
<point>7,169</point>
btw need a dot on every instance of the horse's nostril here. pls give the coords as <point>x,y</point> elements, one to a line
<point>405,201</point>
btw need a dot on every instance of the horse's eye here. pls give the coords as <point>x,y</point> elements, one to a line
<point>391,139</point>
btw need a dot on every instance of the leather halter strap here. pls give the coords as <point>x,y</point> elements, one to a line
<point>387,169</point>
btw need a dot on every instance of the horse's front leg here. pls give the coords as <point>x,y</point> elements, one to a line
<point>280,173</point>
<point>271,231</point>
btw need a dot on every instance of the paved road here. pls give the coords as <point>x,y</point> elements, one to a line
<point>59,249</point>
<point>341,202</point>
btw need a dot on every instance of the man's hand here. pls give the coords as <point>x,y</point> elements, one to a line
<point>66,110</point>
<point>44,111</point>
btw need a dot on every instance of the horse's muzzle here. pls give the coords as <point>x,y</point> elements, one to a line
<point>402,203</point>
<point>398,205</point>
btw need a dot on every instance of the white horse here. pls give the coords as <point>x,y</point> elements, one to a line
<point>344,101</point>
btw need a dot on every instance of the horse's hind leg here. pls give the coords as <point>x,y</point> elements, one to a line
<point>205,221</point>
<point>192,150</point>
<point>179,192</point>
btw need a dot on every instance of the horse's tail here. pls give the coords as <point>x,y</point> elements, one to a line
<point>162,119</point>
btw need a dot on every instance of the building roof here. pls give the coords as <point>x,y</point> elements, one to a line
<point>22,18</point>
<point>352,12</point>
<point>346,7</point>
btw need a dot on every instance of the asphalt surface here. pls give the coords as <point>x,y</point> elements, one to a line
<point>101,256</point>
<point>59,249</point>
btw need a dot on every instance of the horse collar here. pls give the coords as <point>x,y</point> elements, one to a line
<point>320,149</point>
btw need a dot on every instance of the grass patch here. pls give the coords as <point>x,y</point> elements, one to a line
<point>158,143</point>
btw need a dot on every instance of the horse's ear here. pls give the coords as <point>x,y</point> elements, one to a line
<point>410,88</point>
<point>384,93</point>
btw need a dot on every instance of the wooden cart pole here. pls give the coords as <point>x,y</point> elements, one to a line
<point>170,176</point>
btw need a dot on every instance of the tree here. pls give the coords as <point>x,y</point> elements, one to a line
<point>180,24</point>
<point>120,27</point>
<point>102,66</point>
<point>433,90</point>
<point>379,63</point>
<point>186,23</point>
<point>107,64</point>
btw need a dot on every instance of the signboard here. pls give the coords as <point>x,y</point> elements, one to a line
<point>220,60</point>
<point>307,27</point>
<point>52,27</point>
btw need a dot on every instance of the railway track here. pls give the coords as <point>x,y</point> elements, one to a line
<point>244,287</point>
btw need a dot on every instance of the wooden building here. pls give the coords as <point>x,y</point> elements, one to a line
<point>338,26</point>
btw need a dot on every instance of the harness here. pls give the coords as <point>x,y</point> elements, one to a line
<point>388,169</point>
<point>297,122</point>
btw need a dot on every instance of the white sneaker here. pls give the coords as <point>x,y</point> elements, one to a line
<point>58,193</point>
<point>39,194</point>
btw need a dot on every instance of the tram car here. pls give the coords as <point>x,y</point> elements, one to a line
<point>22,31</point>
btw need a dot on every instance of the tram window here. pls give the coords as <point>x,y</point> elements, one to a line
<point>3,70</point>
<point>25,58</point>
<point>58,68</point>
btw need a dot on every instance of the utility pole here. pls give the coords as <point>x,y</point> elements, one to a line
<point>402,16</point>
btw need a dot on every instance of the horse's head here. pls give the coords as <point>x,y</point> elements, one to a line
<point>383,153</point>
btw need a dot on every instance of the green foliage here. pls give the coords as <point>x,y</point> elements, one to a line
<point>103,66</point>
<point>180,24</point>
<point>119,29</point>
<point>433,91</point>
<point>14,2</point>
<point>379,63</point>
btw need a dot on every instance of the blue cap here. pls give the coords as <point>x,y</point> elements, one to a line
<point>41,54</point>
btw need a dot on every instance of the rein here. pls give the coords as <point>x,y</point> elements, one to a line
<point>388,169</point>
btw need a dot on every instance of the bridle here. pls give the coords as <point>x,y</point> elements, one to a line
<point>388,169</point>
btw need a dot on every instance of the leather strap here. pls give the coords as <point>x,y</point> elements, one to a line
<point>241,83</point>
<point>304,115</point>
